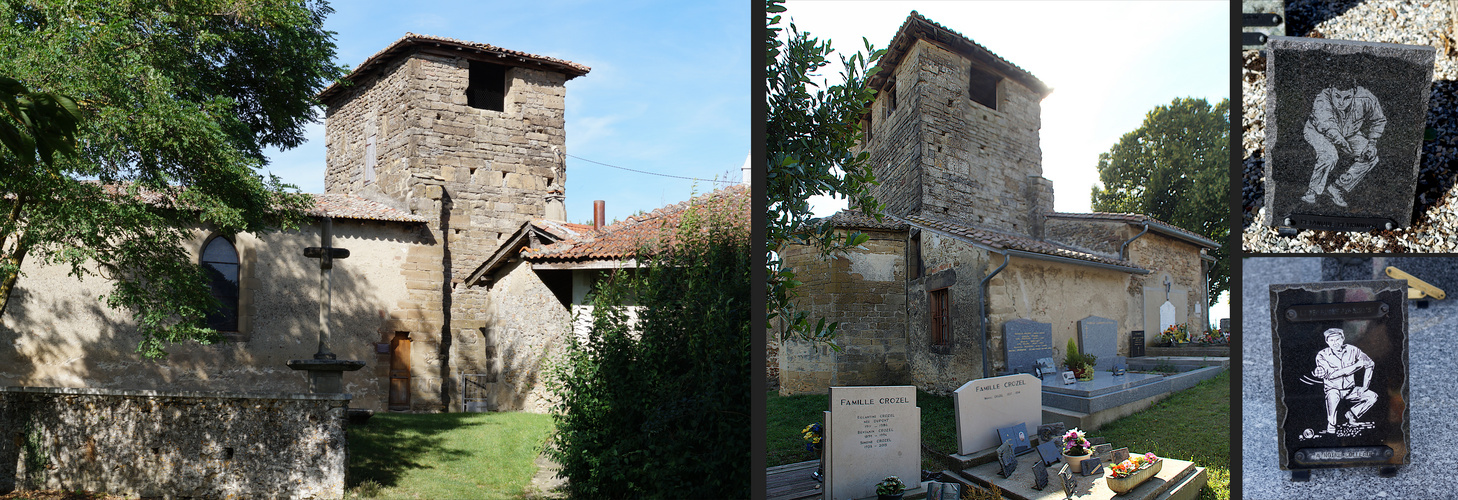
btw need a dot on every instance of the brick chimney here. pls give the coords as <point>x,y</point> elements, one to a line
<point>599,212</point>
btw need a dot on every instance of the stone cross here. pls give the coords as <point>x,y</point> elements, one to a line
<point>1167,285</point>
<point>326,255</point>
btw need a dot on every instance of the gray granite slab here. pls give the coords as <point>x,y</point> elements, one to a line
<point>1099,337</point>
<point>1434,400</point>
<point>1024,341</point>
<point>1344,128</point>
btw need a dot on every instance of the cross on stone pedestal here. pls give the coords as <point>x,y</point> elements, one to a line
<point>326,374</point>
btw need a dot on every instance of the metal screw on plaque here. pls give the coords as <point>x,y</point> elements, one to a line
<point>1301,456</point>
<point>1382,309</point>
<point>1288,221</point>
<point>1389,226</point>
<point>1291,314</point>
<point>1387,453</point>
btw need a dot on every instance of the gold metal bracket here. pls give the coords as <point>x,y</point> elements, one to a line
<point>1417,289</point>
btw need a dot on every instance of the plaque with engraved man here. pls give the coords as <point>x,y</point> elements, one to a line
<point>1341,374</point>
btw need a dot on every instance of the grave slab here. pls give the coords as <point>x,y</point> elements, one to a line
<point>1344,129</point>
<point>1099,337</point>
<point>985,405</point>
<point>1341,373</point>
<point>1025,341</point>
<point>1177,479</point>
<point>872,432</point>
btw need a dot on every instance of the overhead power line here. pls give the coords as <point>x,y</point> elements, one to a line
<point>652,173</point>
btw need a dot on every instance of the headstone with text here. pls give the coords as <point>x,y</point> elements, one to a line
<point>1024,341</point>
<point>1341,366</point>
<point>1018,436</point>
<point>1099,337</point>
<point>1091,466</point>
<point>1344,131</point>
<point>985,405</point>
<point>1136,344</point>
<point>1048,452</point>
<point>871,432</point>
<point>1007,460</point>
<point>1167,316</point>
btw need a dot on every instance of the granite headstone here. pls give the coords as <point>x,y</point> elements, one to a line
<point>1090,466</point>
<point>1136,344</point>
<point>1048,432</point>
<point>1344,129</point>
<point>1099,337</point>
<point>1048,452</point>
<point>985,405</point>
<point>1069,482</point>
<point>1341,366</point>
<point>871,432</point>
<point>1025,341</point>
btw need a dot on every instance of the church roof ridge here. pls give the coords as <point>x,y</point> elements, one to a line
<point>999,240</point>
<point>399,46</point>
<point>348,206</point>
<point>1133,218</point>
<point>918,26</point>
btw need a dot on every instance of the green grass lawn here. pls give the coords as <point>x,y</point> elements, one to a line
<point>445,455</point>
<point>1190,425</point>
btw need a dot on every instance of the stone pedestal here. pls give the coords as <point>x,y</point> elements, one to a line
<point>326,376</point>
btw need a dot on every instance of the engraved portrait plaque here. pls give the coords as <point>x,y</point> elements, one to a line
<point>1341,365</point>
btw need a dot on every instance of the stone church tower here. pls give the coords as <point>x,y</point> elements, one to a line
<point>471,137</point>
<point>953,132</point>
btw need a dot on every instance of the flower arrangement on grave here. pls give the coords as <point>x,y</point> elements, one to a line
<point>1081,364</point>
<point>1074,443</point>
<point>1175,334</point>
<point>814,435</point>
<point>1133,465</point>
<point>890,487</point>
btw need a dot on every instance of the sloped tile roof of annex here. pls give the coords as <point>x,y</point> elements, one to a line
<point>918,26</point>
<point>623,239</point>
<point>1000,240</point>
<point>859,220</point>
<point>1188,235</point>
<point>410,40</point>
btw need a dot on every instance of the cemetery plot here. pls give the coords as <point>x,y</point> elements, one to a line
<point>1099,337</point>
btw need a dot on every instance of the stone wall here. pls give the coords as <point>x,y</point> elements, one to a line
<point>1180,261</point>
<point>173,444</point>
<point>864,290</point>
<point>959,267</point>
<point>523,326</point>
<point>1060,294</point>
<point>56,333</point>
<point>477,174</point>
<point>896,141</point>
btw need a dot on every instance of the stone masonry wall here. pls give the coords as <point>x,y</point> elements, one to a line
<point>1181,261</point>
<point>1093,236</point>
<point>477,174</point>
<point>959,267</point>
<point>980,166</point>
<point>1060,294</point>
<point>173,444</point>
<point>523,327</point>
<point>865,291</point>
<point>895,145</point>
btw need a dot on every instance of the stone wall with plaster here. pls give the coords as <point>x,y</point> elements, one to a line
<point>864,290</point>
<point>958,267</point>
<point>1060,294</point>
<point>56,333</point>
<point>173,444</point>
<point>1180,260</point>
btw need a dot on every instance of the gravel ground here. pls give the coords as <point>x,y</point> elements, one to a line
<point>1434,400</point>
<point>1392,21</point>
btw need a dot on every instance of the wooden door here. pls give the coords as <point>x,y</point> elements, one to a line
<point>400,371</point>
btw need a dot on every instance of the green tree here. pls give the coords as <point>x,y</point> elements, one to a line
<point>658,407</point>
<point>1176,168</point>
<point>810,140</point>
<point>178,99</point>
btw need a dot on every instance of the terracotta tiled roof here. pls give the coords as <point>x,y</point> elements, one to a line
<point>1000,240</point>
<point>348,206</point>
<point>857,219</point>
<point>918,26</point>
<point>624,239</point>
<point>1139,219</point>
<point>571,69</point>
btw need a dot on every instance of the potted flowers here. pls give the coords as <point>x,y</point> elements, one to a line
<point>890,488</point>
<point>1130,473</point>
<point>1175,335</point>
<point>1081,364</point>
<point>814,436</point>
<point>1075,449</point>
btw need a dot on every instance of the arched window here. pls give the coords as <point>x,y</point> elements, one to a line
<point>220,262</point>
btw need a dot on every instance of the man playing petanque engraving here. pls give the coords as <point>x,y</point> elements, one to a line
<point>1336,367</point>
<point>1345,124</point>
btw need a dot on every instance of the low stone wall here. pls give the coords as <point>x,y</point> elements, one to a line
<point>173,444</point>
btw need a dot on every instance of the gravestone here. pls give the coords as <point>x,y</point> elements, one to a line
<point>1024,341</point>
<point>1069,378</point>
<point>1048,452</point>
<point>1167,316</point>
<point>937,490</point>
<point>1018,436</point>
<point>1103,449</point>
<point>1090,466</point>
<point>1099,337</point>
<point>1341,366</point>
<point>985,405</point>
<point>1344,129</point>
<point>1050,431</point>
<point>1136,344</point>
<point>871,432</point>
<point>1046,366</point>
<point>1070,484</point>
<point>1225,325</point>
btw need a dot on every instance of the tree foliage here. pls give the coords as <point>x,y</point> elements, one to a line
<point>658,407</point>
<point>177,101</point>
<point>1176,168</point>
<point>810,140</point>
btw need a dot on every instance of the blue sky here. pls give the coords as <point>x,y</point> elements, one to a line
<point>669,90</point>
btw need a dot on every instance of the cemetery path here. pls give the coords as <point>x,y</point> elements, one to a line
<point>546,484</point>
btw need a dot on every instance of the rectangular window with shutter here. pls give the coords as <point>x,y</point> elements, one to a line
<point>941,324</point>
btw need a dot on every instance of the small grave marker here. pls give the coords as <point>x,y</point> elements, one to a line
<point>1040,476</point>
<point>1091,466</point>
<point>1103,450</point>
<point>1006,459</point>
<point>1048,453</point>
<point>1017,435</point>
<point>1341,365</point>
<point>1069,378</point>
<point>1069,482</point>
<point>1119,456</point>
<point>1049,432</point>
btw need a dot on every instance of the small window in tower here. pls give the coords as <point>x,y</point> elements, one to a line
<point>487,89</point>
<point>866,126</point>
<point>891,98</point>
<point>982,87</point>
<point>369,166</point>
